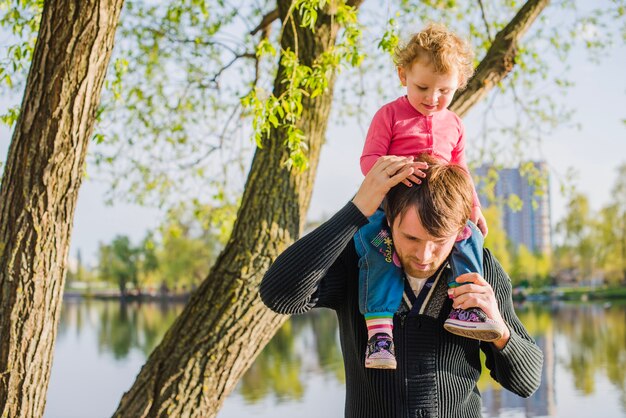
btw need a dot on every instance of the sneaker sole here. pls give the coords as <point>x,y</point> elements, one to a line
<point>381,364</point>
<point>482,332</point>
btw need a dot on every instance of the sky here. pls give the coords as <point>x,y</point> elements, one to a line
<point>594,151</point>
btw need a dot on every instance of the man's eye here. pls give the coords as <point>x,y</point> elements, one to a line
<point>422,88</point>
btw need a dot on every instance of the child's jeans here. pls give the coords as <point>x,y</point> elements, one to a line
<point>381,279</point>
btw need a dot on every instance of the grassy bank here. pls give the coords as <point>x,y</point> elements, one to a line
<point>577,293</point>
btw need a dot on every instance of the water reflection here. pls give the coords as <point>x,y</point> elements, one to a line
<point>120,326</point>
<point>301,368</point>
<point>307,343</point>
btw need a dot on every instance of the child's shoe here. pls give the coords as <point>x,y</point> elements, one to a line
<point>380,353</point>
<point>473,323</point>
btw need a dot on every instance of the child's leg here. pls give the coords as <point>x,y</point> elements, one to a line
<point>467,253</point>
<point>467,257</point>
<point>380,288</point>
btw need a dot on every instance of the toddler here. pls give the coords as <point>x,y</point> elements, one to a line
<point>433,65</point>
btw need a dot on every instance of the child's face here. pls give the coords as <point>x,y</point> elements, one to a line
<point>428,91</point>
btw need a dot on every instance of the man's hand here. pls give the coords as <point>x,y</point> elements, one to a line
<point>477,293</point>
<point>479,219</point>
<point>388,171</point>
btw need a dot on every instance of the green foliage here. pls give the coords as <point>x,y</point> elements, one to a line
<point>391,38</point>
<point>172,119</point>
<point>578,250</point>
<point>300,80</point>
<point>594,243</point>
<point>308,11</point>
<point>177,255</point>
<point>531,268</point>
<point>10,117</point>
<point>119,263</point>
<point>610,232</point>
<point>523,266</point>
<point>21,18</point>
<point>189,242</point>
<point>496,240</point>
<point>184,260</point>
<point>168,124</point>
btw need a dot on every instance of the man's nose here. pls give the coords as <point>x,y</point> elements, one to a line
<point>424,252</point>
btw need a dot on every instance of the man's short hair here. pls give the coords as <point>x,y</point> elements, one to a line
<point>443,200</point>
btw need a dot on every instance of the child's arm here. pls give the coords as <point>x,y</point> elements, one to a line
<point>377,141</point>
<point>479,219</point>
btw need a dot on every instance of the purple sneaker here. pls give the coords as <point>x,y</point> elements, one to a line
<point>472,323</point>
<point>380,353</point>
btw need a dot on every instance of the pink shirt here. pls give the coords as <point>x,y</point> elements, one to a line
<point>398,129</point>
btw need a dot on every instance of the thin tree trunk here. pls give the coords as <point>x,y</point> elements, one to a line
<point>39,190</point>
<point>225,325</point>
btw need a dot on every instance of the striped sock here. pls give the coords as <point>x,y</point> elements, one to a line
<point>379,322</point>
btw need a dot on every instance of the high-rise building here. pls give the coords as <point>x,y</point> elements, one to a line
<point>529,225</point>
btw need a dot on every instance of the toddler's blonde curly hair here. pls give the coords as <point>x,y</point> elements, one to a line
<point>444,49</point>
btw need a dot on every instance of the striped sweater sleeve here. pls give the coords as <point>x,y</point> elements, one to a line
<point>517,367</point>
<point>311,272</point>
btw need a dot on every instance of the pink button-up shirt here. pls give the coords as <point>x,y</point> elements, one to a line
<point>399,129</point>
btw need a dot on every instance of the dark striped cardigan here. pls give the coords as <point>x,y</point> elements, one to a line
<point>437,371</point>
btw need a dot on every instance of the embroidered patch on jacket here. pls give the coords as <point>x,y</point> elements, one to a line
<point>381,237</point>
<point>383,242</point>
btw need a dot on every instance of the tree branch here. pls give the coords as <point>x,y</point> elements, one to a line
<point>482,12</point>
<point>500,58</point>
<point>266,21</point>
<point>354,3</point>
<point>248,55</point>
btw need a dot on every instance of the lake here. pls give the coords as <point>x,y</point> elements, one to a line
<point>101,345</point>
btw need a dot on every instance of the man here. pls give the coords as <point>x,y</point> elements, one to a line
<point>436,371</point>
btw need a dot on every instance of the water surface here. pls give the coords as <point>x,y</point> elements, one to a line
<point>101,346</point>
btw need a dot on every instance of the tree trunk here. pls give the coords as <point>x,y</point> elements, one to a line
<point>500,58</point>
<point>39,189</point>
<point>225,325</point>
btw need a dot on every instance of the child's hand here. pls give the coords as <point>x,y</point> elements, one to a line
<point>417,175</point>
<point>480,221</point>
<point>388,171</point>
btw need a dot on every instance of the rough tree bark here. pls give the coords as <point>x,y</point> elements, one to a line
<point>39,189</point>
<point>225,325</point>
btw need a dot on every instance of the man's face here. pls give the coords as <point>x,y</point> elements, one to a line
<point>420,253</point>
